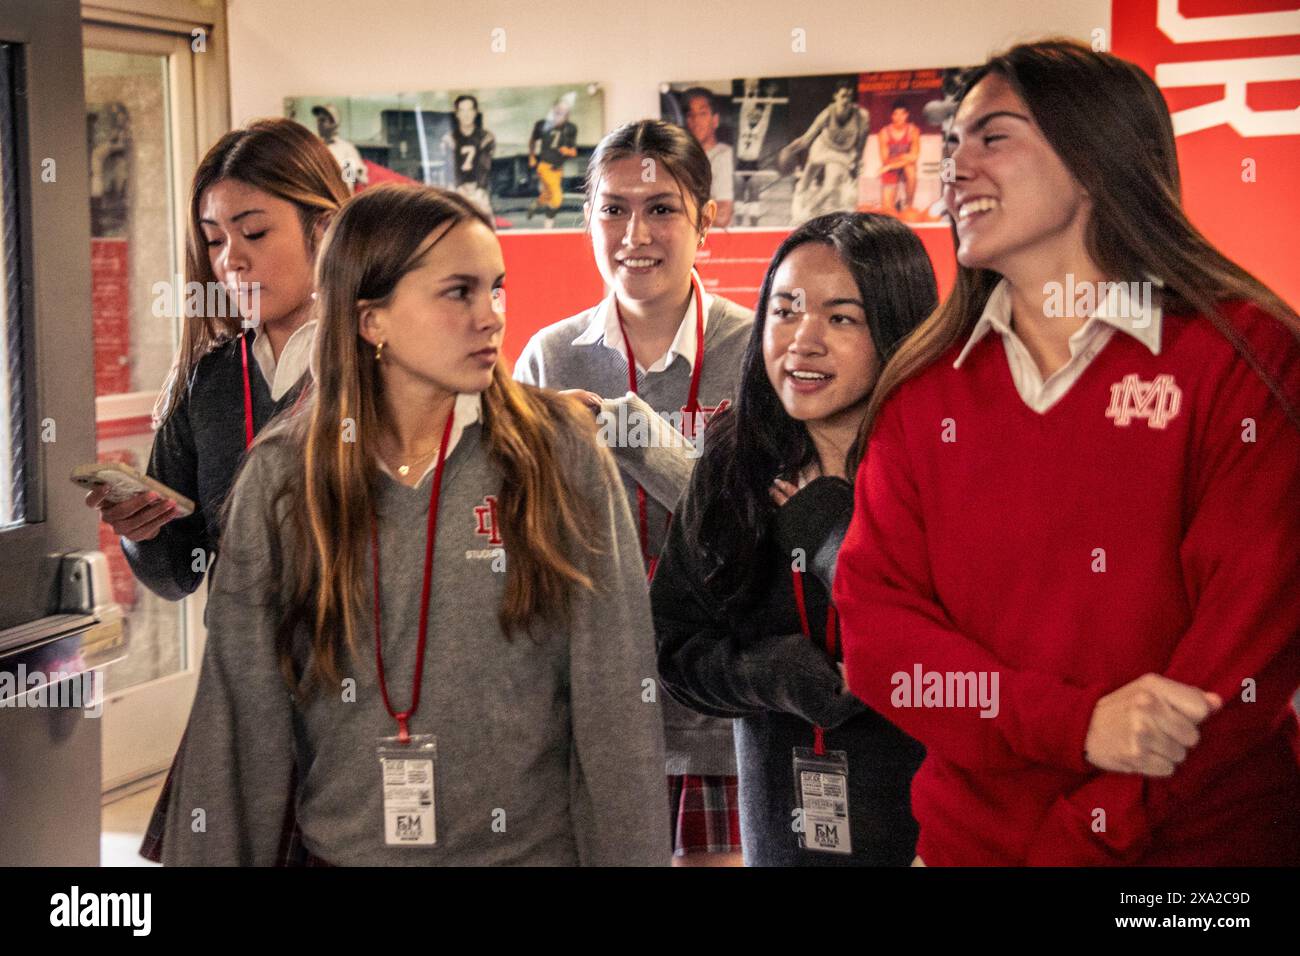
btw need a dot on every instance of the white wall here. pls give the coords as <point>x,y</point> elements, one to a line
<point>284,48</point>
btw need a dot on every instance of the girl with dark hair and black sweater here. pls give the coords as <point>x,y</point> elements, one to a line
<point>741,604</point>
<point>259,204</point>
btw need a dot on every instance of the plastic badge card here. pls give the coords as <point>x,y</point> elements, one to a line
<point>408,781</point>
<point>821,785</point>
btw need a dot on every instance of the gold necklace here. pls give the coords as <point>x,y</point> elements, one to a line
<point>405,470</point>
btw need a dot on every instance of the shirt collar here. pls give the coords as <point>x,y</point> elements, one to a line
<point>467,410</point>
<point>295,358</point>
<point>1140,320</point>
<point>604,327</point>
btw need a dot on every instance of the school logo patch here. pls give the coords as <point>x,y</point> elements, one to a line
<point>487,525</point>
<point>701,418</point>
<point>486,516</point>
<point>1157,401</point>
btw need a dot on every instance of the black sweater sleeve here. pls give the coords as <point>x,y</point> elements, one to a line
<point>705,664</point>
<point>165,563</point>
<point>814,522</point>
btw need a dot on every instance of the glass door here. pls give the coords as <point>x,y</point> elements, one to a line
<point>142,141</point>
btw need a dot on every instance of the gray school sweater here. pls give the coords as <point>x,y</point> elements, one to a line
<point>696,744</point>
<point>548,751</point>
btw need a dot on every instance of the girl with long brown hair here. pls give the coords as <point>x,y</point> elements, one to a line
<point>1071,568</point>
<point>430,612</point>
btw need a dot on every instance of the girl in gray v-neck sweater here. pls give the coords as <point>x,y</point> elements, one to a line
<point>549,750</point>
<point>696,744</point>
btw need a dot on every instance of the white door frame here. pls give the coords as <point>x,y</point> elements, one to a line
<point>142,725</point>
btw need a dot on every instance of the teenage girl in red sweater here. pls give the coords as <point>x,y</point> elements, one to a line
<point>1071,571</point>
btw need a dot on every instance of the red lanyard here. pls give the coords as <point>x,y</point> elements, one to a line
<point>689,411</point>
<point>248,398</point>
<point>430,536</point>
<point>832,628</point>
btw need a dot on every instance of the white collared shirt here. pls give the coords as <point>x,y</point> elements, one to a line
<point>467,410</point>
<point>294,358</point>
<point>1118,310</point>
<point>604,324</point>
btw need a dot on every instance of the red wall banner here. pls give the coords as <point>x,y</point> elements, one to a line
<point>550,276</point>
<point>732,263</point>
<point>1230,72</point>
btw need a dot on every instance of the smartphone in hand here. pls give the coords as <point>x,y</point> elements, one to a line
<point>124,481</point>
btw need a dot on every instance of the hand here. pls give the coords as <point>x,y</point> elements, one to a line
<point>590,399</point>
<point>138,518</point>
<point>1147,726</point>
<point>844,677</point>
<point>781,491</point>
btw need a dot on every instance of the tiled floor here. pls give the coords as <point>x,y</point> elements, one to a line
<point>124,822</point>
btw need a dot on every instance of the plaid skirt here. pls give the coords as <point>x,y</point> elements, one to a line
<point>704,814</point>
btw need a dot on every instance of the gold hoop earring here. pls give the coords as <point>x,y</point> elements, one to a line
<point>379,352</point>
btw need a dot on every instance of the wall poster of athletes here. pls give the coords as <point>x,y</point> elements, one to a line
<point>786,149</point>
<point>518,152</point>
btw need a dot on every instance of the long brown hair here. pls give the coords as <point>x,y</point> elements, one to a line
<point>373,242</point>
<point>278,156</point>
<point>1108,122</point>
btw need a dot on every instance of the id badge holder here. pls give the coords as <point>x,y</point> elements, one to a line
<point>408,777</point>
<point>821,786</point>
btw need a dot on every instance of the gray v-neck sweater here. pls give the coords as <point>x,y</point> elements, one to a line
<point>549,750</point>
<point>696,744</point>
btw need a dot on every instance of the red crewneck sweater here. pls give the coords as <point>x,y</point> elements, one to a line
<point>984,554</point>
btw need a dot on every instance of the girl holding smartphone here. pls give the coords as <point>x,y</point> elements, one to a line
<point>424,727</point>
<point>1071,567</point>
<point>259,204</point>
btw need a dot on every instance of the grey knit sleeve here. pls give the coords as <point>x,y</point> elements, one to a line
<point>617,725</point>
<point>661,463</point>
<point>230,793</point>
<point>529,367</point>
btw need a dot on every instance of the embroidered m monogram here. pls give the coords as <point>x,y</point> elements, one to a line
<point>1157,401</point>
